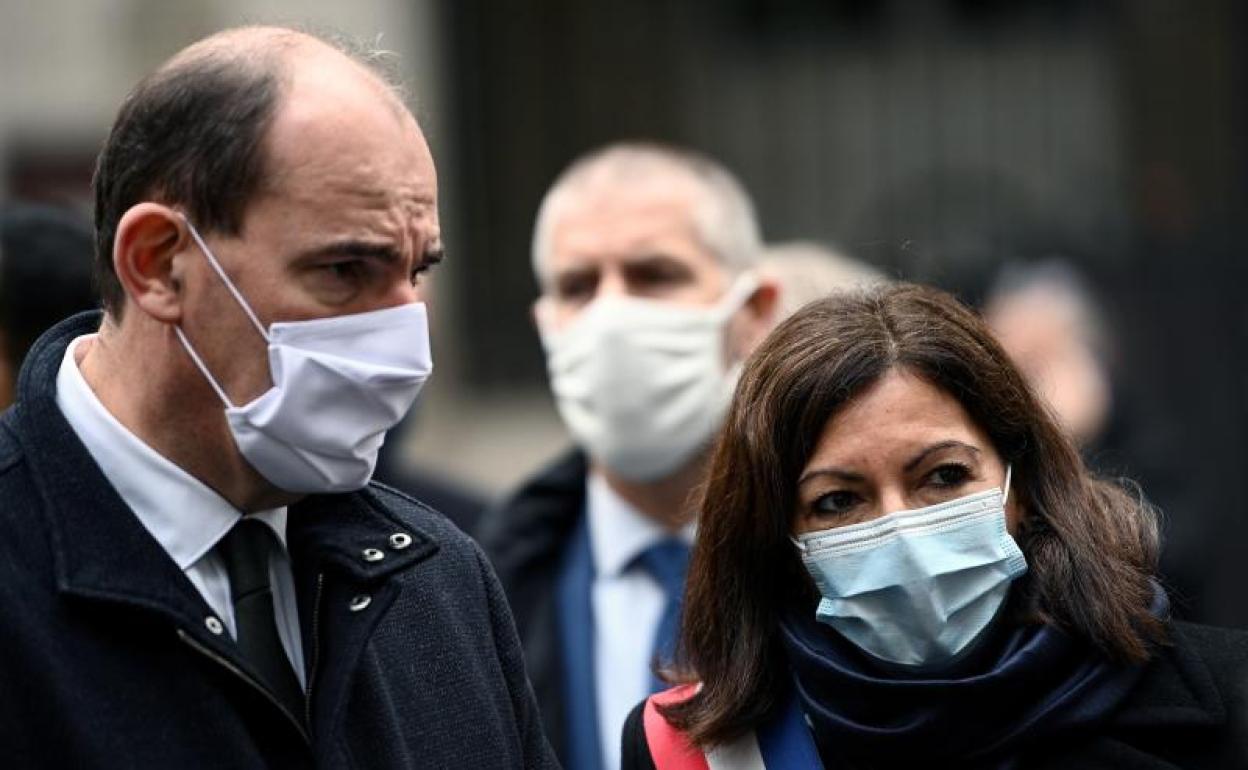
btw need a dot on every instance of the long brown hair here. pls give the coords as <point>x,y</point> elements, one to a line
<point>1091,546</point>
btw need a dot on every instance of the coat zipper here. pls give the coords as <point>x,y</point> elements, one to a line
<point>238,672</point>
<point>316,646</point>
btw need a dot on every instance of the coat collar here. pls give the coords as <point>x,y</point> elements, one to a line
<point>103,552</point>
<point>1177,689</point>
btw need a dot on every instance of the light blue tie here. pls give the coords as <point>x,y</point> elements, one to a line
<point>667,562</point>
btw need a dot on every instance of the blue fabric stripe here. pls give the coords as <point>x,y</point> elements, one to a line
<point>576,637</point>
<point>786,742</point>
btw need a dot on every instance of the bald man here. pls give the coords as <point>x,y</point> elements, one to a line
<point>194,568</point>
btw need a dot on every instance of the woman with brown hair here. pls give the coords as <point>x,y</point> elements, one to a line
<point>901,558</point>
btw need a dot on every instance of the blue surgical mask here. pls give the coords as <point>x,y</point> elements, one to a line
<point>916,588</point>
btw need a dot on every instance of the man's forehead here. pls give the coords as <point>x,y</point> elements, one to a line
<point>338,124</point>
<point>633,210</point>
<point>624,226</point>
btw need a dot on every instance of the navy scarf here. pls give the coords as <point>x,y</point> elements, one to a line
<point>1018,685</point>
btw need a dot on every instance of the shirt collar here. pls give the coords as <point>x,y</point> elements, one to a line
<point>177,509</point>
<point>618,532</point>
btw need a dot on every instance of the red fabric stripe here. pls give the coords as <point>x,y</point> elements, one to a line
<point>669,747</point>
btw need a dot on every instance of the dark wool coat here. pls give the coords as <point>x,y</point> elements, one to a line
<point>107,661</point>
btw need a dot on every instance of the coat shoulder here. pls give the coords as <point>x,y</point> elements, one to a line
<point>1220,648</point>
<point>1224,653</point>
<point>10,449</point>
<point>421,517</point>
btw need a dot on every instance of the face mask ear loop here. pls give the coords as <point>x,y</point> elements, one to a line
<point>200,363</point>
<point>798,543</point>
<point>225,279</point>
<point>1009,471</point>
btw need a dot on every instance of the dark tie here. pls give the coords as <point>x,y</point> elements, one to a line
<point>245,550</point>
<point>667,561</point>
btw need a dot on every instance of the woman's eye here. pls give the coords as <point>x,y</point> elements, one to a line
<point>947,476</point>
<point>835,503</point>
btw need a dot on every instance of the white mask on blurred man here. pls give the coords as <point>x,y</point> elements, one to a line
<point>643,384</point>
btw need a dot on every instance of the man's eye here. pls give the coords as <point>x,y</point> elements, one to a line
<point>949,475</point>
<point>349,270</point>
<point>835,503</point>
<point>577,287</point>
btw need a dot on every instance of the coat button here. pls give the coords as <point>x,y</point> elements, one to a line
<point>400,540</point>
<point>215,626</point>
<point>373,554</point>
<point>360,602</point>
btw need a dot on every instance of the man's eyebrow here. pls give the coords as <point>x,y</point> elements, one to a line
<point>385,252</point>
<point>575,271</point>
<point>434,255</point>
<point>922,455</point>
<point>653,259</point>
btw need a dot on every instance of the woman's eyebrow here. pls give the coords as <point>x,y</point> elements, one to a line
<point>839,473</point>
<point>923,454</point>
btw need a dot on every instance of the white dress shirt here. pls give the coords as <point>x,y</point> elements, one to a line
<point>627,604</point>
<point>186,517</point>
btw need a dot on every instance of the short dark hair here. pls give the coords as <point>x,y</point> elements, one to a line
<point>1091,545</point>
<point>191,134</point>
<point>45,272</point>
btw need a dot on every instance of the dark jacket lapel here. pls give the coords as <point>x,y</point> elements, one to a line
<point>345,550</point>
<point>525,539</point>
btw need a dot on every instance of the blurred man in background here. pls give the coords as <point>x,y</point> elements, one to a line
<point>45,276</point>
<point>806,271</point>
<point>646,258</point>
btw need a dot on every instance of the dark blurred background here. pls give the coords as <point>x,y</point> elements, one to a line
<point>939,140</point>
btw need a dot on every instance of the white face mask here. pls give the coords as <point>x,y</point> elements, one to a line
<point>338,385</point>
<point>641,384</point>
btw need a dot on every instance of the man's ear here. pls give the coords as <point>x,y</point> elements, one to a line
<point>757,317</point>
<point>539,311</point>
<point>149,236</point>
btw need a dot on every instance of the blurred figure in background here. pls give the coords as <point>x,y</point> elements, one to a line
<point>1048,322</point>
<point>807,271</point>
<point>646,258</point>
<point>1057,332</point>
<point>45,276</point>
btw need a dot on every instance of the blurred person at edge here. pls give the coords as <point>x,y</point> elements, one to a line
<point>45,276</point>
<point>646,259</point>
<point>902,561</point>
<point>197,572</point>
<point>1048,323</point>
<point>806,271</point>
<point>1051,323</point>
